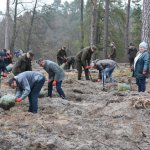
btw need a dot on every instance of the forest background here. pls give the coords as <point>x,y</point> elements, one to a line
<point>44,28</point>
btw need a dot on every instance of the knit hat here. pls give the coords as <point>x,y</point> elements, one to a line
<point>143,45</point>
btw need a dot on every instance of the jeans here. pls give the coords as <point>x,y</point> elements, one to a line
<point>108,71</point>
<point>141,84</point>
<point>58,87</point>
<point>34,94</point>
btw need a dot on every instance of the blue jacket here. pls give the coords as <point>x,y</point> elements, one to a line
<point>54,71</point>
<point>142,64</point>
<point>25,82</point>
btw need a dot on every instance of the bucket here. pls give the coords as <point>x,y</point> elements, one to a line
<point>9,67</point>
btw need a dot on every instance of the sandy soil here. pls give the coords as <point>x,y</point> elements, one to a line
<point>90,119</point>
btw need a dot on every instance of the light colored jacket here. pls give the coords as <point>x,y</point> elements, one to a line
<point>105,63</point>
<point>25,82</point>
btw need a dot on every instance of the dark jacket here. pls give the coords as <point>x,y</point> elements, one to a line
<point>54,71</point>
<point>25,82</point>
<point>84,56</point>
<point>8,59</point>
<point>141,65</point>
<point>23,64</point>
<point>61,56</point>
<point>132,52</point>
<point>2,55</point>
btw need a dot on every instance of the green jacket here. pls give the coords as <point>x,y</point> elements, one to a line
<point>142,64</point>
<point>23,64</point>
<point>84,56</point>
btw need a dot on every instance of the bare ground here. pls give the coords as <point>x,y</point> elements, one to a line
<point>90,118</point>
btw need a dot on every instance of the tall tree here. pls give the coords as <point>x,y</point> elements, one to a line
<point>93,22</point>
<point>127,27</point>
<point>146,22</point>
<point>31,25</point>
<point>106,19</point>
<point>14,27</point>
<point>81,21</point>
<point>7,26</point>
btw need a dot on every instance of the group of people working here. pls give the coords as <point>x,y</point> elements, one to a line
<point>29,83</point>
<point>139,62</point>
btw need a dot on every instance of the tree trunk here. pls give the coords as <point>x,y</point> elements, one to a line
<point>93,22</point>
<point>7,27</point>
<point>31,26</point>
<point>146,22</point>
<point>127,30</point>
<point>81,21</point>
<point>14,27</point>
<point>106,20</point>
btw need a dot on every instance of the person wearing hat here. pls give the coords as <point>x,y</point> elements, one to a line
<point>105,67</point>
<point>83,59</point>
<point>141,66</point>
<point>61,56</point>
<point>23,63</point>
<point>56,76</point>
<point>112,54</point>
<point>28,83</point>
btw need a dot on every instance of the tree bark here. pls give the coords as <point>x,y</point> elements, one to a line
<point>14,27</point>
<point>106,21</point>
<point>93,22</point>
<point>7,26</point>
<point>31,26</point>
<point>81,21</point>
<point>127,30</point>
<point>146,22</point>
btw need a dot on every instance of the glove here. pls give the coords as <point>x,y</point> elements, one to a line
<point>144,72</point>
<point>54,83</point>
<point>88,67</point>
<point>18,100</point>
<point>4,74</point>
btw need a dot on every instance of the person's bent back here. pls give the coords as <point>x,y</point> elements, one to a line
<point>23,63</point>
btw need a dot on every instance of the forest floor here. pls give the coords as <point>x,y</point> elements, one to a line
<point>90,119</point>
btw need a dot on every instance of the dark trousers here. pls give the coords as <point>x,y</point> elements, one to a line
<point>58,87</point>
<point>131,61</point>
<point>69,65</point>
<point>141,84</point>
<point>34,94</point>
<point>86,71</point>
<point>2,68</point>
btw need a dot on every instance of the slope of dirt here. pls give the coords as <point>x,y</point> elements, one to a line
<point>90,118</point>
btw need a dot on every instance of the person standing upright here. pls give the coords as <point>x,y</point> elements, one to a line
<point>131,53</point>
<point>112,54</point>
<point>83,59</point>
<point>141,66</point>
<point>61,56</point>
